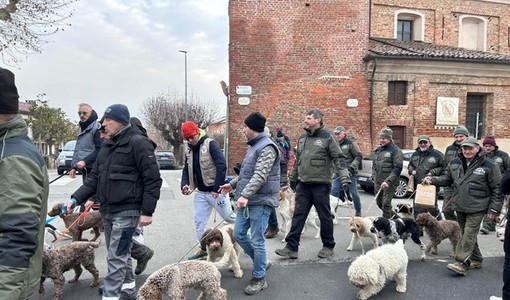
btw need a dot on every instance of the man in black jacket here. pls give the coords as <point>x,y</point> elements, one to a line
<point>127,182</point>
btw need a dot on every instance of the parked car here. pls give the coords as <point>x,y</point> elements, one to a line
<point>65,157</point>
<point>365,174</point>
<point>166,159</point>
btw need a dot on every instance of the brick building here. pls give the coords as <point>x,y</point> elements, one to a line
<point>366,64</point>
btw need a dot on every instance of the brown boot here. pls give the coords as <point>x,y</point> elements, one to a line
<point>271,233</point>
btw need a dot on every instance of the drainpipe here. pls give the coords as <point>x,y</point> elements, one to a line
<point>372,104</point>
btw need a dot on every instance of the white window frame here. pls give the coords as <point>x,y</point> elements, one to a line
<point>418,23</point>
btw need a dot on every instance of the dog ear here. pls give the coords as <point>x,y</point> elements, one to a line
<point>203,240</point>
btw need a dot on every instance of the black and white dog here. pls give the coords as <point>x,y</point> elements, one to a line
<point>390,230</point>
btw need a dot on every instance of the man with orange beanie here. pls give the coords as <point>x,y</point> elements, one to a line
<point>204,171</point>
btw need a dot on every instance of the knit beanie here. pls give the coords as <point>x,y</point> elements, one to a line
<point>279,134</point>
<point>461,130</point>
<point>490,139</point>
<point>189,129</point>
<point>386,132</point>
<point>8,93</point>
<point>118,112</point>
<point>255,121</point>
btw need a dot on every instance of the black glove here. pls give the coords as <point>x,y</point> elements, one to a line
<point>293,185</point>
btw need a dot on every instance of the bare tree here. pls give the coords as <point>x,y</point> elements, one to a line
<point>26,24</point>
<point>166,114</point>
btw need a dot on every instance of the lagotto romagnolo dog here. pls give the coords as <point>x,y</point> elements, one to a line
<point>391,230</point>
<point>360,227</point>
<point>174,280</point>
<point>438,231</point>
<point>220,244</point>
<point>373,270</point>
<point>92,220</point>
<point>59,260</point>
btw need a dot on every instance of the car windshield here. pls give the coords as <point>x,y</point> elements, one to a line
<point>69,146</point>
<point>167,154</point>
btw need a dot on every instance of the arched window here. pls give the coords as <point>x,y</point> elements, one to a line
<point>473,33</point>
<point>409,25</point>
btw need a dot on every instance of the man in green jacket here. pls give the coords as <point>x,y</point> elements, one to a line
<point>475,180</point>
<point>386,168</point>
<point>23,200</point>
<point>317,153</point>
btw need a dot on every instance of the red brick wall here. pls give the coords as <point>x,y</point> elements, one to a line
<point>296,56</point>
<point>442,20</point>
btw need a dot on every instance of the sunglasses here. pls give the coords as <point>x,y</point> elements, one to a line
<point>82,113</point>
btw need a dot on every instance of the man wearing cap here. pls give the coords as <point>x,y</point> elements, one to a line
<point>88,142</point>
<point>204,171</point>
<point>425,161</point>
<point>353,159</point>
<point>386,168</point>
<point>460,133</point>
<point>257,191</point>
<point>127,183</point>
<point>317,154</point>
<point>23,201</point>
<point>501,158</point>
<point>476,181</point>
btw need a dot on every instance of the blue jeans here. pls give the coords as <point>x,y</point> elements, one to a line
<point>337,191</point>
<point>273,219</point>
<point>255,218</point>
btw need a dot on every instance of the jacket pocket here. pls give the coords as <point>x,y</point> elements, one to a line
<point>124,185</point>
<point>317,162</point>
<point>478,191</point>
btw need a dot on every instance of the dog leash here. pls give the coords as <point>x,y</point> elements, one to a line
<point>204,237</point>
<point>372,203</point>
<point>61,235</point>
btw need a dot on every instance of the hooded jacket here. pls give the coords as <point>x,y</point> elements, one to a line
<point>23,207</point>
<point>125,175</point>
<point>475,185</point>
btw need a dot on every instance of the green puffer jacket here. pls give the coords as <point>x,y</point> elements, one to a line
<point>476,187</point>
<point>426,162</point>
<point>23,206</point>
<point>387,165</point>
<point>316,151</point>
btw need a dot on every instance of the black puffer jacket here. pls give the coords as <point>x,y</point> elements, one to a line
<point>125,175</point>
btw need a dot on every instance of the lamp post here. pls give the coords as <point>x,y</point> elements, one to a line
<point>185,84</point>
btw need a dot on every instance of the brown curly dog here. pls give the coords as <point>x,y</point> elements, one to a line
<point>92,220</point>
<point>438,231</point>
<point>64,258</point>
<point>175,279</point>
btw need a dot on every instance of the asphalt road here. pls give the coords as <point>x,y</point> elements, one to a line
<point>172,238</point>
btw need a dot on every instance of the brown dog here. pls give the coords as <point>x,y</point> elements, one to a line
<point>438,231</point>
<point>64,258</point>
<point>93,220</point>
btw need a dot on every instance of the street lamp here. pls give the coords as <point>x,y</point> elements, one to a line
<point>185,84</point>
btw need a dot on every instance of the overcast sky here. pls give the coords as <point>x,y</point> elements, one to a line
<point>125,51</point>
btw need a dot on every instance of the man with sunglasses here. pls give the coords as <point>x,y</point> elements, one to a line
<point>425,161</point>
<point>88,142</point>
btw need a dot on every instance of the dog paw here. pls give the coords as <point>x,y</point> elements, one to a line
<point>349,248</point>
<point>401,289</point>
<point>73,280</point>
<point>94,284</point>
<point>238,274</point>
<point>423,257</point>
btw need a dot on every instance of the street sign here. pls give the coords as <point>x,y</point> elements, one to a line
<point>243,90</point>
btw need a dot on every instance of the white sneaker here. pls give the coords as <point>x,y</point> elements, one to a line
<point>347,203</point>
<point>495,298</point>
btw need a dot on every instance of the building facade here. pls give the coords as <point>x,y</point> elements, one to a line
<point>420,67</point>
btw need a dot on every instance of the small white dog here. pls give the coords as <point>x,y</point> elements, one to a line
<point>371,271</point>
<point>220,244</point>
<point>286,211</point>
<point>360,227</point>
<point>333,203</point>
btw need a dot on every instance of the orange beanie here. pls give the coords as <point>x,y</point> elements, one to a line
<point>189,129</point>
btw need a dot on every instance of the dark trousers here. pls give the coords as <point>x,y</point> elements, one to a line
<point>506,266</point>
<point>316,194</point>
<point>273,219</point>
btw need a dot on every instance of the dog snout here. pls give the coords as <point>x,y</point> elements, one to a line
<point>373,230</point>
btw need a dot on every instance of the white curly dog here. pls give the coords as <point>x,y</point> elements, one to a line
<point>371,271</point>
